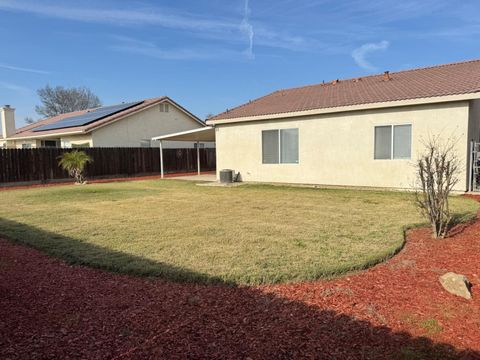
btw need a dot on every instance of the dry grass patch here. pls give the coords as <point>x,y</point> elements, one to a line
<point>250,234</point>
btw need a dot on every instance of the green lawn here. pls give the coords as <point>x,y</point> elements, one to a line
<point>249,234</point>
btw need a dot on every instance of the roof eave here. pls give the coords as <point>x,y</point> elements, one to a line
<point>348,108</point>
<point>42,136</point>
<point>161,100</point>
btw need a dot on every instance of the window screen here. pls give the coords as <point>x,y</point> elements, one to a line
<point>402,141</point>
<point>383,142</point>
<point>289,146</point>
<point>270,147</point>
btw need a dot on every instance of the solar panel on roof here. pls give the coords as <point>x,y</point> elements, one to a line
<point>88,117</point>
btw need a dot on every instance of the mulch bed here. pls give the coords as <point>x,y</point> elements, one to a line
<point>398,309</point>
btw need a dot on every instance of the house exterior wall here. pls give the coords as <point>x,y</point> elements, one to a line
<point>18,144</point>
<point>338,149</point>
<point>131,130</point>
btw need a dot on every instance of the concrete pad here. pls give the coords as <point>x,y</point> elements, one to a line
<point>202,177</point>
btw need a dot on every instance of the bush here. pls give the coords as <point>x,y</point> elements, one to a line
<point>74,163</point>
<point>437,171</point>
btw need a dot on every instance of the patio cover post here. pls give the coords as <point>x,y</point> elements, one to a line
<point>161,159</point>
<point>198,156</point>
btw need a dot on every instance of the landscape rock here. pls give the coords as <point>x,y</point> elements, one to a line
<point>456,284</point>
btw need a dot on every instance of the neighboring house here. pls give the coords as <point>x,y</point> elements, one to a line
<point>123,125</point>
<point>366,131</point>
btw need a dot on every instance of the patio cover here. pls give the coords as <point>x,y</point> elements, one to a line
<point>205,134</point>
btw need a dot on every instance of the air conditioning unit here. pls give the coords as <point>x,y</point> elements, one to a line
<point>227,176</point>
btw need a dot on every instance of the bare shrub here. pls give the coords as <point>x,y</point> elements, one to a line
<point>437,171</point>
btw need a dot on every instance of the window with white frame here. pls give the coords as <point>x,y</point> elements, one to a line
<point>280,146</point>
<point>393,142</point>
<point>26,146</point>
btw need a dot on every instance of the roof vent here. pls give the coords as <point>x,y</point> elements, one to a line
<point>386,76</point>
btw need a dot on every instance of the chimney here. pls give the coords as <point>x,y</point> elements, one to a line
<point>386,76</point>
<point>7,119</point>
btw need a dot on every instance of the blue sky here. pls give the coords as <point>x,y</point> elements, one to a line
<point>215,54</point>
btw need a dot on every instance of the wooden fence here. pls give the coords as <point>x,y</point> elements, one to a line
<point>41,165</point>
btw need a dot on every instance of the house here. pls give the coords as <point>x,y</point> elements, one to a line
<point>366,131</point>
<point>123,125</point>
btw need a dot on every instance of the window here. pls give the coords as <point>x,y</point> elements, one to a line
<point>50,143</point>
<point>383,142</point>
<point>200,146</point>
<point>280,146</point>
<point>393,142</point>
<point>289,146</point>
<point>402,142</point>
<point>80,145</point>
<point>26,146</point>
<point>270,143</point>
<point>164,107</point>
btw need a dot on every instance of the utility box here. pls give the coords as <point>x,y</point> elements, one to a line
<point>226,176</point>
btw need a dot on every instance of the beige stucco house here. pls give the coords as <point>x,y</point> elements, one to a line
<point>366,131</point>
<point>122,125</point>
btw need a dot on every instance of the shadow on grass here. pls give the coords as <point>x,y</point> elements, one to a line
<point>55,310</point>
<point>77,252</point>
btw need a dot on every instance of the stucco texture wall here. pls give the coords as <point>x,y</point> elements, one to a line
<point>130,131</point>
<point>18,144</point>
<point>338,149</point>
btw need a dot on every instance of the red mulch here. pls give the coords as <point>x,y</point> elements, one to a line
<point>51,310</point>
<point>98,181</point>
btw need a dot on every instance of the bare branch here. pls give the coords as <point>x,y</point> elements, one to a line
<point>437,172</point>
<point>60,100</point>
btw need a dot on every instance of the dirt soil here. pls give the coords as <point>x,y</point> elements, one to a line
<point>396,310</point>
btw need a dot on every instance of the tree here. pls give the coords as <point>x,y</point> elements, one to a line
<point>61,100</point>
<point>28,120</point>
<point>74,162</point>
<point>437,171</point>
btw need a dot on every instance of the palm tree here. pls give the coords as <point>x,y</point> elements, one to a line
<point>74,162</point>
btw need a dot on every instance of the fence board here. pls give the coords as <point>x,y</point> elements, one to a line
<point>25,165</point>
